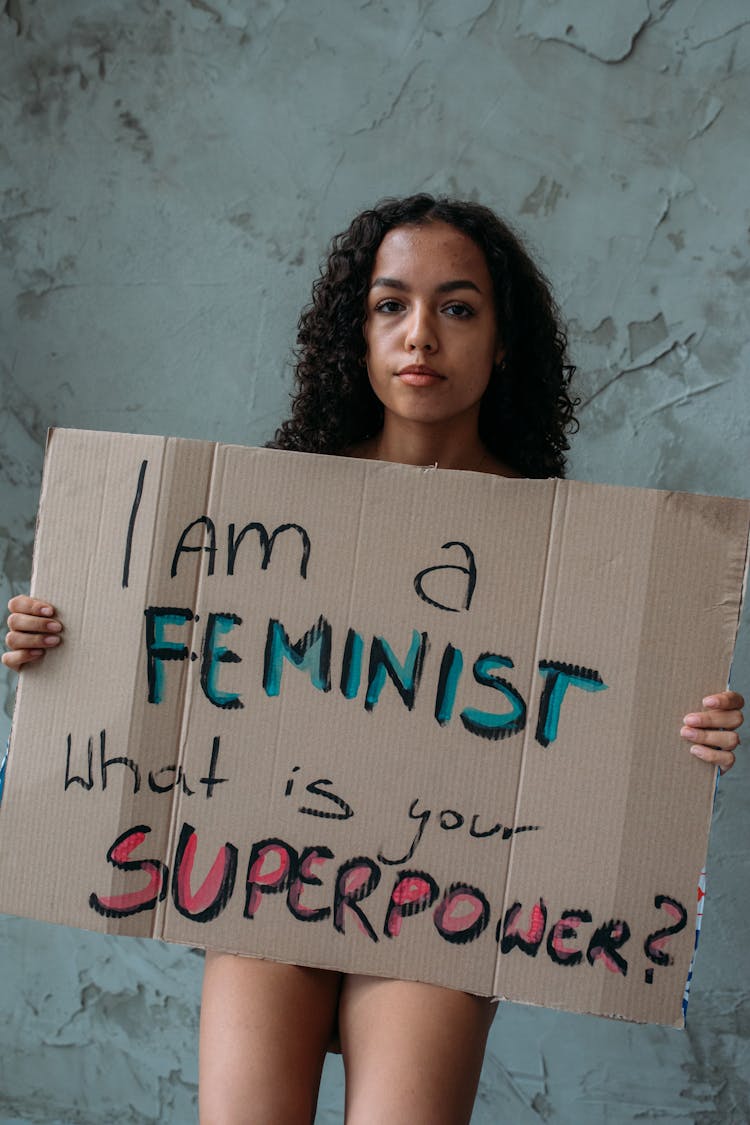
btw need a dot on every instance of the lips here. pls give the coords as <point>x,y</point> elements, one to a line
<point>419,375</point>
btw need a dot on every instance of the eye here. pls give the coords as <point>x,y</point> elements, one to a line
<point>389,305</point>
<point>458,310</point>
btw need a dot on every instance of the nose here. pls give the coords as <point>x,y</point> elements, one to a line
<point>420,331</point>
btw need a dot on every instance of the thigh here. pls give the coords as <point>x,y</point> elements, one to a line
<point>263,1034</point>
<point>412,1052</point>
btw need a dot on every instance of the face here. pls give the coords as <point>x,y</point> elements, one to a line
<point>430,326</point>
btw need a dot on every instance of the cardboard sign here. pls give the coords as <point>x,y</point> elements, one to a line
<point>382,719</point>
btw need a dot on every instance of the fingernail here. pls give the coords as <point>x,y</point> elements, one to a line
<point>689,732</point>
<point>54,627</point>
<point>711,701</point>
<point>46,611</point>
<point>52,641</point>
<point>697,750</point>
<point>691,720</point>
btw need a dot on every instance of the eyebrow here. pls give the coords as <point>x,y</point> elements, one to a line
<point>444,287</point>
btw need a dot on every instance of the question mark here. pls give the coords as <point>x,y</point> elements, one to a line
<point>654,944</point>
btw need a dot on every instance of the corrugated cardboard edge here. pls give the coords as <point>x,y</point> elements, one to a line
<point>6,764</point>
<point>701,878</point>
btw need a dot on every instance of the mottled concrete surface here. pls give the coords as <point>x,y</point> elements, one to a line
<point>169,175</point>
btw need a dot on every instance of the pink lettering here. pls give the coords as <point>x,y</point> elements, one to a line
<point>462,914</point>
<point>413,892</point>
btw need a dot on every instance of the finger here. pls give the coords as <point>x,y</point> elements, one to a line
<point>16,641</point>
<point>25,623</point>
<point>719,739</point>
<point>725,701</point>
<point>16,660</point>
<point>714,720</point>
<point>724,759</point>
<point>22,603</point>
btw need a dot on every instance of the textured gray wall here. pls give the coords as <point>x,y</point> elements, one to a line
<point>170,173</point>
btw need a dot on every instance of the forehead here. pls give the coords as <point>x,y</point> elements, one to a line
<point>430,254</point>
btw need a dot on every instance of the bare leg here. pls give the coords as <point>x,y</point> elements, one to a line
<point>263,1036</point>
<point>412,1052</point>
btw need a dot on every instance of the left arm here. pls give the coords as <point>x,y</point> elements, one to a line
<point>713,732</point>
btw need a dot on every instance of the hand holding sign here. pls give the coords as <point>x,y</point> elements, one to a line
<point>714,732</point>
<point>33,629</point>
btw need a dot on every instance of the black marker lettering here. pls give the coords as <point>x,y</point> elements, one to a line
<point>290,782</point>
<point>405,677</point>
<point>654,943</point>
<point>422,817</point>
<point>210,549</point>
<point>177,779</point>
<point>485,723</point>
<point>565,930</point>
<point>450,819</point>
<point>311,653</point>
<point>272,868</point>
<point>462,915</point>
<point>314,789</point>
<point>131,524</point>
<point>470,571</point>
<point>511,936</point>
<point>266,544</point>
<point>305,877</point>
<point>355,880</point>
<point>70,779</point>
<point>158,648</point>
<point>119,761</point>
<point>557,678</point>
<point>212,779</point>
<point>214,893</point>
<point>132,902</point>
<point>213,654</point>
<point>413,892</point>
<point>605,944</point>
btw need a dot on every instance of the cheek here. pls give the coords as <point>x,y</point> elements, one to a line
<point>375,348</point>
<point>484,365</point>
<point>480,386</point>
<point>378,386</point>
<point>371,364</point>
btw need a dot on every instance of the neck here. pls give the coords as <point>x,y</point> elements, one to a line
<point>453,445</point>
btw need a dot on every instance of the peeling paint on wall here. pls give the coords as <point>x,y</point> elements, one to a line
<point>609,33</point>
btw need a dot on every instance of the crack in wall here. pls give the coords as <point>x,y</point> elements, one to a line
<point>704,42</point>
<point>202,6</point>
<point>390,111</point>
<point>712,107</point>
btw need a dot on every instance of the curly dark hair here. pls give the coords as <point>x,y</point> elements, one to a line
<point>526,411</point>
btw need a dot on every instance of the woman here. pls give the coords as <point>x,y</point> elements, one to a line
<point>432,339</point>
